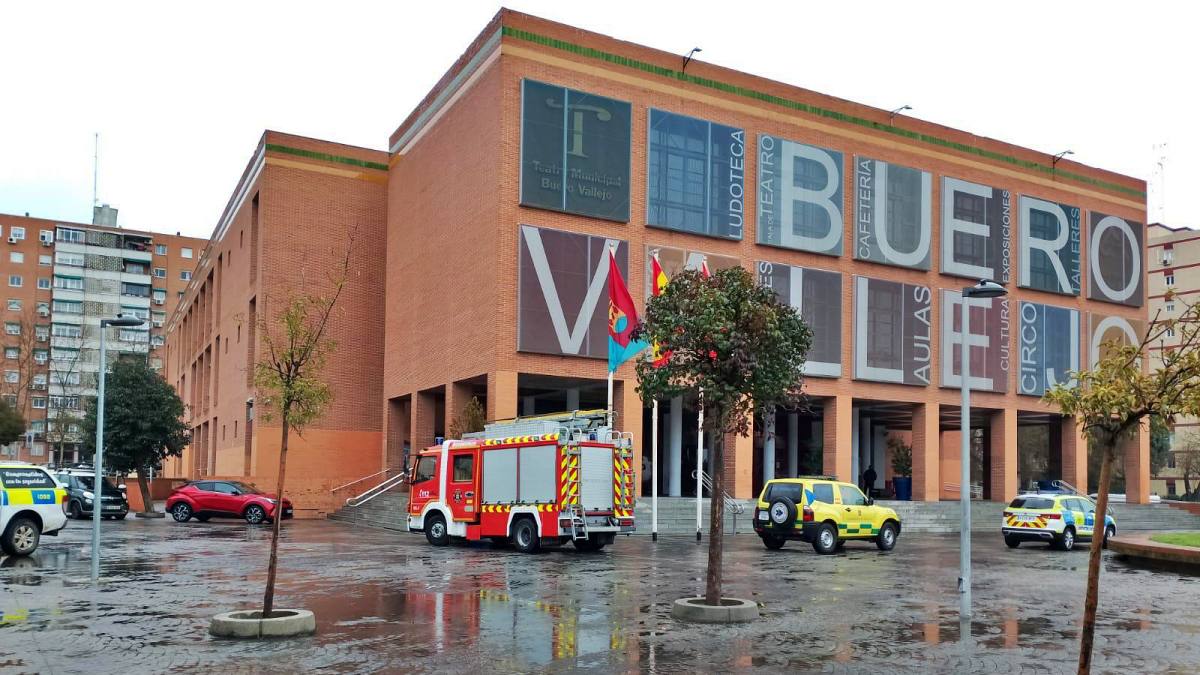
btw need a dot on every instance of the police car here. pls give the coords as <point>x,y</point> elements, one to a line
<point>1059,519</point>
<point>31,504</point>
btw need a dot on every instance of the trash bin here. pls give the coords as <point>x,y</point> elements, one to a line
<point>903,487</point>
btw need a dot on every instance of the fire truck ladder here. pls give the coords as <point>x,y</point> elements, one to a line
<point>572,486</point>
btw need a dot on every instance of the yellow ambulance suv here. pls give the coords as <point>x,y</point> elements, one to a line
<point>824,512</point>
<point>31,504</point>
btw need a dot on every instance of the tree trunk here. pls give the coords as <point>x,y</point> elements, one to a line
<point>716,522</point>
<point>269,596</point>
<point>144,488</point>
<point>1087,633</point>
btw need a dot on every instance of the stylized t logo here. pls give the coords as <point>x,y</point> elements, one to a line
<point>575,120</point>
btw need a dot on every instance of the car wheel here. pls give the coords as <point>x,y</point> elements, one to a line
<point>74,512</point>
<point>525,536</point>
<point>1066,541</point>
<point>886,540</point>
<point>590,545</point>
<point>1109,531</point>
<point>782,513</point>
<point>435,530</point>
<point>181,512</point>
<point>774,543</point>
<point>1011,542</point>
<point>255,514</point>
<point>826,540</point>
<point>21,536</point>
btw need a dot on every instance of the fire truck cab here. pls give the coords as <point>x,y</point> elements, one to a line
<point>534,482</point>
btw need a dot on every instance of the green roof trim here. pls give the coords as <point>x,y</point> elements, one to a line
<point>325,157</point>
<point>745,92</point>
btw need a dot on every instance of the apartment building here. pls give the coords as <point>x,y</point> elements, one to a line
<point>1174,263</point>
<point>63,278</point>
<point>283,234</point>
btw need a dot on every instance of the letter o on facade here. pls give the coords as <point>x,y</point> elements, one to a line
<point>1135,272</point>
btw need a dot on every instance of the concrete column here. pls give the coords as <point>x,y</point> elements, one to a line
<point>739,464</point>
<point>502,395</point>
<point>926,453</point>
<point>855,447</point>
<point>1003,444</point>
<point>1136,451</point>
<point>573,398</point>
<point>1074,453</point>
<point>768,463</point>
<point>675,449</point>
<point>793,445</point>
<point>879,453</point>
<point>838,427</point>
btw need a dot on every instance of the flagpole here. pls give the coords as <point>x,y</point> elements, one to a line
<point>610,401</point>
<point>654,473</point>
<point>700,463</point>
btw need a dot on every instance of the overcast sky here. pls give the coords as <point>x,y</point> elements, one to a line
<point>180,97</point>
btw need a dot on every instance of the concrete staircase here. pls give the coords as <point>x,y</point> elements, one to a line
<point>388,511</point>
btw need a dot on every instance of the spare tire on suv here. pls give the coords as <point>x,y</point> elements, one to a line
<point>782,513</point>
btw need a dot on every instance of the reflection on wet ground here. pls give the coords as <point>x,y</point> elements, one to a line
<point>386,601</point>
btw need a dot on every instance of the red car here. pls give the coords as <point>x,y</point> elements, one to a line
<point>206,499</point>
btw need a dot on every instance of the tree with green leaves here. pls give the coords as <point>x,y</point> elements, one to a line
<point>290,377</point>
<point>738,349</point>
<point>12,425</point>
<point>143,422</point>
<point>1115,398</point>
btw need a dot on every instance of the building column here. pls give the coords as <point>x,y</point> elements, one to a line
<point>1074,446</point>
<point>458,394</point>
<point>502,395</point>
<point>1136,451</point>
<point>793,445</point>
<point>926,453</point>
<point>768,464</point>
<point>837,425</point>
<point>1003,448</point>
<point>739,464</point>
<point>628,408</point>
<point>421,426</point>
<point>573,399</point>
<point>675,449</point>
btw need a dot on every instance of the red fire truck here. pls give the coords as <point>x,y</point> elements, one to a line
<point>534,481</point>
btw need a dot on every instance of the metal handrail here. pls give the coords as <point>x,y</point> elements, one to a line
<point>976,489</point>
<point>359,500</point>
<point>731,504</point>
<point>359,480</point>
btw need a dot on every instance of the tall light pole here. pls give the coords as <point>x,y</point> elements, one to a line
<point>983,289</point>
<point>122,321</point>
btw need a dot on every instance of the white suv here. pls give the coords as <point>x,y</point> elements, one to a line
<point>31,505</point>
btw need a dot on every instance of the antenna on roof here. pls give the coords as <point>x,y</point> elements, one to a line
<point>95,169</point>
<point>1160,181</point>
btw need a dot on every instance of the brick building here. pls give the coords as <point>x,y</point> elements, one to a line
<point>62,278</point>
<point>283,234</point>
<point>544,143</point>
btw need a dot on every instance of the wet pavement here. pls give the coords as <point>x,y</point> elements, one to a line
<point>388,602</point>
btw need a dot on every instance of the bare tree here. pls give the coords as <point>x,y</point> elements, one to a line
<point>63,407</point>
<point>20,366</point>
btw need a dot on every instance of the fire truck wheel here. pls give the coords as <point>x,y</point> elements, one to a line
<point>435,529</point>
<point>525,536</point>
<point>590,545</point>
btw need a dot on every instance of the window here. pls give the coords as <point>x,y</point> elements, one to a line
<point>1169,306</point>
<point>426,467</point>
<point>12,353</point>
<point>39,380</point>
<point>68,283</point>
<point>15,280</point>
<point>69,235</point>
<point>37,449</point>
<point>464,468</point>
<point>26,478</point>
<point>1170,332</point>
<point>45,260</point>
<point>41,356</point>
<point>39,402</point>
<point>1169,279</point>
<point>17,233</point>
<point>139,312</point>
<point>160,249</point>
<point>225,489</point>
<point>43,283</point>
<point>160,296</point>
<point>65,379</point>
<point>68,306</point>
<point>179,294</point>
<point>134,268</point>
<point>70,259</point>
<point>46,236</point>
<point>38,426</point>
<point>43,308</point>
<point>135,290</point>
<point>793,491</point>
<point>12,376</point>
<point>12,328</point>
<point>156,341</point>
<point>690,180</point>
<point>61,354</point>
<point>185,275</point>
<point>159,318</point>
<point>66,330</point>
<point>132,335</point>
<point>1031,503</point>
<point>16,257</point>
<point>160,272</point>
<point>1171,460</point>
<point>852,496</point>
<point>185,252</point>
<point>14,305</point>
<point>822,492</point>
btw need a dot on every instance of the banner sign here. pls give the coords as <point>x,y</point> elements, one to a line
<point>990,352</point>
<point>696,176</point>
<point>799,196</point>
<point>892,331</point>
<point>817,295</point>
<point>574,151</point>
<point>976,230</point>
<point>1049,244</point>
<point>893,208</point>
<point>1105,330</point>
<point>1048,345</point>
<point>1115,260</point>
<point>562,298</point>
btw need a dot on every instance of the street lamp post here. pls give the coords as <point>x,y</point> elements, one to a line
<point>122,321</point>
<point>983,289</point>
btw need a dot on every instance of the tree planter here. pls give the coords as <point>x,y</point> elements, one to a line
<point>731,610</point>
<point>248,623</point>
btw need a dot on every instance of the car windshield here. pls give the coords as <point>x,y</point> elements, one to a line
<point>245,489</point>
<point>1031,503</point>
<point>88,483</point>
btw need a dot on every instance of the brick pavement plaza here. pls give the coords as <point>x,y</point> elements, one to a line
<point>387,602</point>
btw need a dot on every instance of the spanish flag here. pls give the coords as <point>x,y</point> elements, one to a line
<point>659,356</point>
<point>622,318</point>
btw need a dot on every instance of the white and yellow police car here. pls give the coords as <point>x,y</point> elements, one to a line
<point>1058,519</point>
<point>31,504</point>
